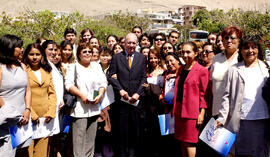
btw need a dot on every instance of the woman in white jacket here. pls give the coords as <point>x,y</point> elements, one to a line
<point>53,56</point>
<point>243,110</point>
<point>86,80</point>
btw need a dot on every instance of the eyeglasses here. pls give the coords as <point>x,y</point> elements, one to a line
<point>87,51</point>
<point>167,48</point>
<point>159,39</point>
<point>207,51</point>
<point>230,37</point>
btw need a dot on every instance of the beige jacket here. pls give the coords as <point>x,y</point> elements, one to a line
<point>43,95</point>
<point>232,100</point>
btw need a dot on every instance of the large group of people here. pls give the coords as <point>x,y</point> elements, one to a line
<point>118,90</point>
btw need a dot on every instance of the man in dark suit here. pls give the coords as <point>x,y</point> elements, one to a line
<point>127,73</point>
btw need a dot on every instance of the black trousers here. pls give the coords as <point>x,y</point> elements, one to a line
<point>126,129</point>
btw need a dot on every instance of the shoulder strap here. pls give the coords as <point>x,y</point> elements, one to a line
<point>75,75</point>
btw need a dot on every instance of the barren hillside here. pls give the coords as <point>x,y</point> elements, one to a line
<point>97,7</point>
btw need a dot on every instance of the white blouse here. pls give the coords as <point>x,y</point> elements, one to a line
<point>253,107</point>
<point>58,82</point>
<point>87,80</point>
<point>38,75</point>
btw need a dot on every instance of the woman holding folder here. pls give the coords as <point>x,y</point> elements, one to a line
<point>15,94</point>
<point>173,64</point>
<point>84,79</point>
<point>43,94</point>
<point>243,110</point>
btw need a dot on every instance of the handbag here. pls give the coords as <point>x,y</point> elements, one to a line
<point>70,99</point>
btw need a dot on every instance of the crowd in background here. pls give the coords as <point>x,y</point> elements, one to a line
<point>225,78</point>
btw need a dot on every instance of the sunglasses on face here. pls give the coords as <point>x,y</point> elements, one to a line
<point>86,51</point>
<point>159,39</point>
<point>207,51</point>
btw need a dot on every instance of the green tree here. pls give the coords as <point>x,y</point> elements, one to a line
<point>251,22</point>
<point>31,25</point>
<point>128,20</point>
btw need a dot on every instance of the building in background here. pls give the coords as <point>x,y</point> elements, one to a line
<point>187,11</point>
<point>162,21</point>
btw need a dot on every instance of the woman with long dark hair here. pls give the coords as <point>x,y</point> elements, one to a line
<point>117,48</point>
<point>243,110</point>
<point>166,102</point>
<point>15,94</point>
<point>151,106</point>
<point>44,99</point>
<point>145,40</point>
<point>85,35</point>
<point>111,41</point>
<point>53,54</point>
<point>165,49</point>
<point>159,40</point>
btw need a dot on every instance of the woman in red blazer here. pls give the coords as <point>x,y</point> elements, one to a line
<point>189,101</point>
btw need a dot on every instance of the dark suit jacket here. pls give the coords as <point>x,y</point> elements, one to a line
<point>126,119</point>
<point>130,80</point>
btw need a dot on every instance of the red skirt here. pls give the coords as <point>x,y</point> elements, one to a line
<point>185,130</point>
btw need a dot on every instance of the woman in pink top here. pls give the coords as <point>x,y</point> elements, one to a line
<point>189,101</point>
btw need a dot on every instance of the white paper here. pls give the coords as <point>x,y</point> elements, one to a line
<point>127,101</point>
<point>20,134</point>
<point>159,80</point>
<point>43,129</point>
<point>108,98</point>
<point>220,139</point>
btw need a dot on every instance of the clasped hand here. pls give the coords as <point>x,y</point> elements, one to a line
<point>47,120</point>
<point>131,100</point>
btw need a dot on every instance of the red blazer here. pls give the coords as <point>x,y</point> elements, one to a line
<point>194,91</point>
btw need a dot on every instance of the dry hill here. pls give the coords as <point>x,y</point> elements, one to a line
<point>97,7</point>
